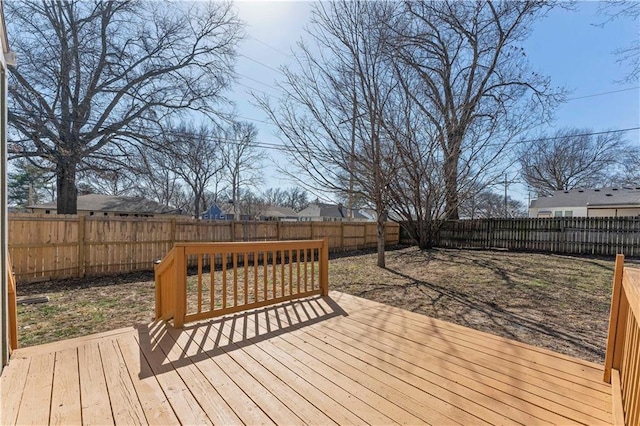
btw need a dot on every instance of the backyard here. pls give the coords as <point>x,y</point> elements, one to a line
<point>554,301</point>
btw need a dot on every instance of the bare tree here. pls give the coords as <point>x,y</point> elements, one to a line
<point>274,196</point>
<point>572,158</point>
<point>96,75</point>
<point>193,154</point>
<point>614,10</point>
<point>417,192</point>
<point>101,177</point>
<point>154,178</point>
<point>295,198</point>
<point>332,112</point>
<point>487,204</point>
<point>241,158</point>
<point>462,65</point>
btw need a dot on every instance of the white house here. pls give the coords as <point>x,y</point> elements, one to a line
<point>597,202</point>
<point>323,212</point>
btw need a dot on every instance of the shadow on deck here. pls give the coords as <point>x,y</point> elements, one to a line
<point>321,360</point>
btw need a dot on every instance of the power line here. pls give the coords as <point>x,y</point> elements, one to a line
<point>260,63</point>
<point>272,48</point>
<point>259,82</point>
<point>603,93</point>
<point>604,132</point>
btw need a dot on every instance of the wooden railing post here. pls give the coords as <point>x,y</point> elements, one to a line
<point>180,309</point>
<point>615,336</point>
<point>324,267</point>
<point>13,308</point>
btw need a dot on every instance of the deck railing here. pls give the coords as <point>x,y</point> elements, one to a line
<point>13,308</point>
<point>232,277</point>
<point>622,361</point>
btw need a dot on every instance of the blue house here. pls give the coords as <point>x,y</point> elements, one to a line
<point>216,213</point>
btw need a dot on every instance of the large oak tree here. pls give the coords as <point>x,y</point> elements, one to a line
<point>94,76</point>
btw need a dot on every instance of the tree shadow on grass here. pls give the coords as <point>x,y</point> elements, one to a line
<point>503,321</point>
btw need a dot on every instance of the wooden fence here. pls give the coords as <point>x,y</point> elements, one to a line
<point>622,360</point>
<point>240,276</point>
<point>59,246</point>
<point>604,236</point>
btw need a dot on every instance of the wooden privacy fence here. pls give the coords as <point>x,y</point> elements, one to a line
<point>58,246</point>
<point>580,235</point>
<point>232,277</point>
<point>622,360</point>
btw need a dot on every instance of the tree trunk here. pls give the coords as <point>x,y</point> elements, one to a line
<point>196,206</point>
<point>451,186</point>
<point>382,218</point>
<point>66,187</point>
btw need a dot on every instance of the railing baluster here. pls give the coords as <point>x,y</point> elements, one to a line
<point>305,270</point>
<point>224,280</point>
<point>199,282</point>
<point>298,266</point>
<point>255,276</point>
<point>282,272</point>
<point>264,274</point>
<point>274,264</point>
<point>313,264</point>
<point>290,272</point>
<point>212,268</point>
<point>246,277</point>
<point>235,279</point>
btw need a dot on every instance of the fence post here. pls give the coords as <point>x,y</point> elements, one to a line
<point>342,236</point>
<point>232,231</point>
<point>278,231</point>
<point>312,231</point>
<point>81,246</point>
<point>172,235</point>
<point>324,267</point>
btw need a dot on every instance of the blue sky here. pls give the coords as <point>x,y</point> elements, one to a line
<point>568,46</point>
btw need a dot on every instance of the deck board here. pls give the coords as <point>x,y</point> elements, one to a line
<point>336,360</point>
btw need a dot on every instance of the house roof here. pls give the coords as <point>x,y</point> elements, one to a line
<point>329,210</point>
<point>112,203</point>
<point>276,211</point>
<point>595,197</point>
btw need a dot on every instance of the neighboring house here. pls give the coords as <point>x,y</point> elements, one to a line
<point>282,214</point>
<point>215,213</point>
<point>323,212</point>
<point>598,202</point>
<point>7,58</point>
<point>111,205</point>
<point>224,211</point>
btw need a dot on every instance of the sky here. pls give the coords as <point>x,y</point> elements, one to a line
<point>568,46</point>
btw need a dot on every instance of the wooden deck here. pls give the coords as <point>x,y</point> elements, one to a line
<point>339,359</point>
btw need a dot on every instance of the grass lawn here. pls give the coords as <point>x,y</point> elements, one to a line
<point>558,302</point>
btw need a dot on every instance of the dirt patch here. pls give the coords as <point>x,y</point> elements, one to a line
<point>557,302</point>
